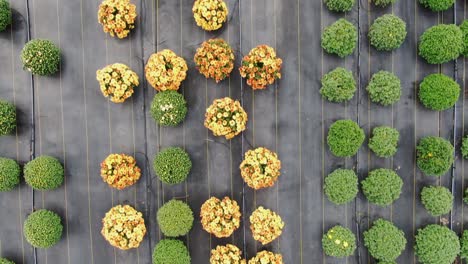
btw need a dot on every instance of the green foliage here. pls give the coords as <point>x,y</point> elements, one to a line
<point>339,5</point>
<point>464,30</point>
<point>437,200</point>
<point>464,245</point>
<point>437,5</point>
<point>464,147</point>
<point>384,240</point>
<point>9,174</point>
<point>340,38</point>
<point>384,88</point>
<point>465,196</point>
<point>384,141</point>
<point>338,85</point>
<point>5,15</point>
<point>171,251</point>
<point>341,186</point>
<point>41,57</point>
<point>172,165</point>
<point>383,3</point>
<point>7,118</point>
<point>438,92</point>
<point>441,43</point>
<point>382,186</point>
<point>175,218</point>
<point>6,261</point>
<point>436,244</point>
<point>387,32</point>
<point>168,108</point>
<point>345,137</point>
<point>434,156</point>
<point>44,173</point>
<point>339,242</point>
<point>43,229</point>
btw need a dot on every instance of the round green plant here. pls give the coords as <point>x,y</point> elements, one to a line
<point>43,229</point>
<point>339,5</point>
<point>41,57</point>
<point>5,15</point>
<point>338,85</point>
<point>341,186</point>
<point>465,196</point>
<point>437,5</point>
<point>172,165</point>
<point>7,117</point>
<point>9,174</point>
<point>171,251</point>
<point>438,92</point>
<point>44,173</point>
<point>168,108</point>
<point>382,186</point>
<point>441,43</point>
<point>339,242</point>
<point>345,137</point>
<point>464,30</point>
<point>437,200</point>
<point>384,141</point>
<point>464,245</point>
<point>384,240</point>
<point>384,88</point>
<point>340,38</point>
<point>434,156</point>
<point>464,147</point>
<point>6,261</point>
<point>436,244</point>
<point>383,3</point>
<point>387,32</point>
<point>175,218</point>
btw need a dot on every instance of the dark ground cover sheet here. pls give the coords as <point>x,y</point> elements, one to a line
<point>66,116</point>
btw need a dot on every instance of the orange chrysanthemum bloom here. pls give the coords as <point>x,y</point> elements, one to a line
<point>220,217</point>
<point>120,171</point>
<point>117,82</point>
<point>123,227</point>
<point>266,257</point>
<point>261,67</point>
<point>215,59</point>
<point>117,17</point>
<point>210,14</point>
<point>265,225</point>
<point>226,254</point>
<point>260,168</point>
<point>165,70</point>
<point>225,117</point>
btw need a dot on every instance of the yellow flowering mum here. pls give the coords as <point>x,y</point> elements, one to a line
<point>220,217</point>
<point>165,70</point>
<point>260,168</point>
<point>117,82</point>
<point>117,17</point>
<point>265,225</point>
<point>266,257</point>
<point>120,171</point>
<point>210,14</point>
<point>123,227</point>
<point>228,254</point>
<point>225,117</point>
<point>261,67</point>
<point>215,59</point>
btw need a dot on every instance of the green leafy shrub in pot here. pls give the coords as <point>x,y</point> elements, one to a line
<point>171,251</point>
<point>464,147</point>
<point>384,141</point>
<point>9,174</point>
<point>345,137</point>
<point>6,261</point>
<point>387,32</point>
<point>338,85</point>
<point>41,57</point>
<point>436,244</point>
<point>438,92</point>
<point>384,88</point>
<point>175,218</point>
<point>464,30</point>
<point>168,108</point>
<point>341,186</point>
<point>464,245</point>
<point>383,3</point>
<point>437,5</point>
<point>434,156</point>
<point>384,240</point>
<point>382,186</point>
<point>339,242</point>
<point>5,15</point>
<point>44,173</point>
<point>7,117</point>
<point>437,200</point>
<point>172,165</point>
<point>43,229</point>
<point>441,43</point>
<point>340,38</point>
<point>339,5</point>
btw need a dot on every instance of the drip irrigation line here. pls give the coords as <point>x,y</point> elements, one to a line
<point>454,132</point>
<point>358,121</point>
